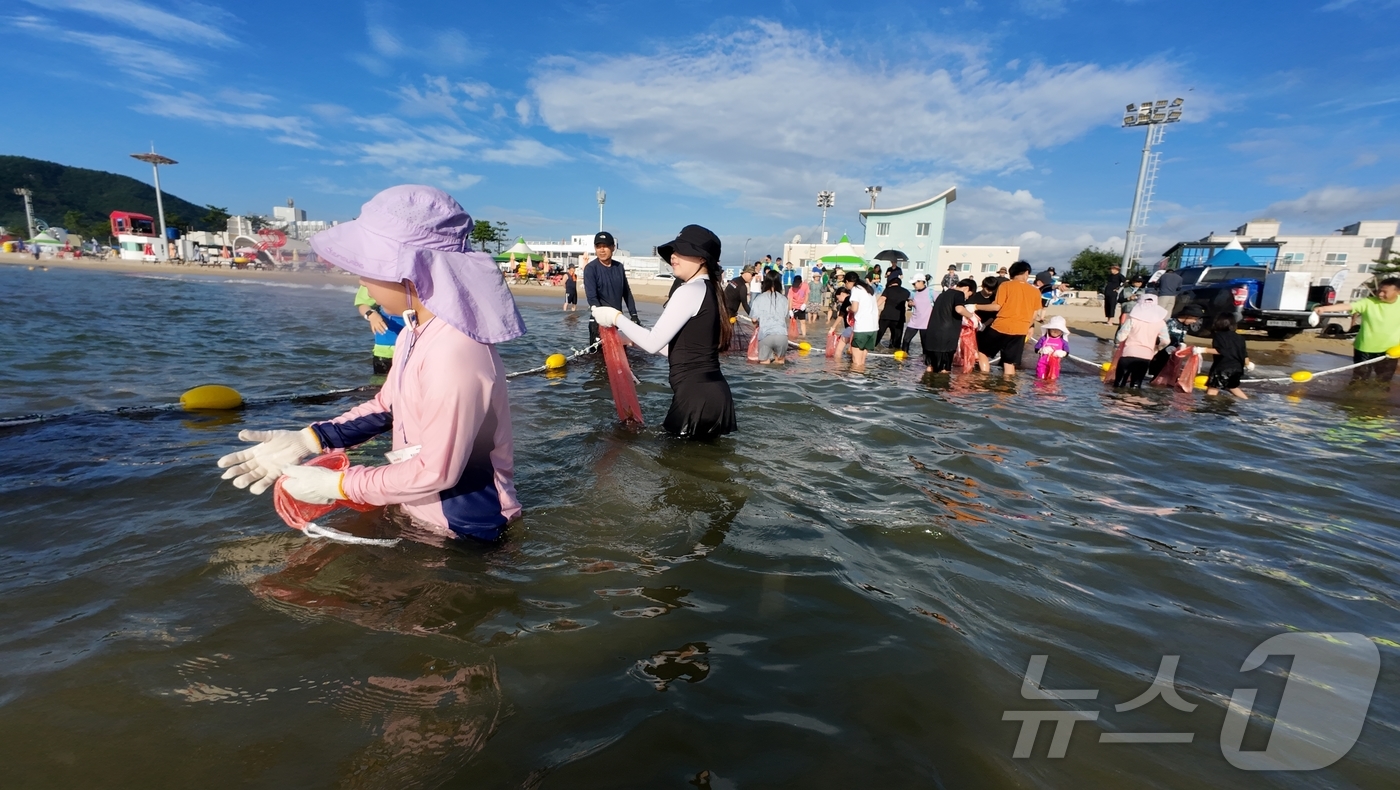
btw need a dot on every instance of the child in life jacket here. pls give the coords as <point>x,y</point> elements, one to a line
<point>1053,345</point>
<point>452,465</point>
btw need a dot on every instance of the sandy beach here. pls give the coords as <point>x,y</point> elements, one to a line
<point>1085,321</point>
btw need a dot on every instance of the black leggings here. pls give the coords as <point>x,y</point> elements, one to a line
<point>895,328</point>
<point>1131,371</point>
<point>909,333</point>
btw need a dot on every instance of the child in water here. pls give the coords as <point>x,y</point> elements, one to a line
<point>452,466</point>
<point>1231,359</point>
<point>1054,344</point>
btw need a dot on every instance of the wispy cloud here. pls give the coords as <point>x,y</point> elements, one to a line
<point>149,19</point>
<point>525,152</point>
<point>133,56</point>
<point>1335,206</point>
<point>287,129</point>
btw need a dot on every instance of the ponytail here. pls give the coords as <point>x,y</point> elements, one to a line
<point>726,329</point>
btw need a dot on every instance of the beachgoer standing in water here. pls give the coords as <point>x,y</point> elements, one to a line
<point>945,322</point>
<point>921,303</point>
<point>452,466</point>
<point>1143,330</point>
<point>605,282</point>
<point>385,327</point>
<point>770,318</point>
<point>1017,307</point>
<point>1231,359</point>
<point>862,308</point>
<point>693,328</point>
<point>1380,329</point>
<point>570,289</point>
<point>797,303</point>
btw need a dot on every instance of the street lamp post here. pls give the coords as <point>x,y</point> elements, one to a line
<point>28,208</point>
<point>602,198</point>
<point>825,200</point>
<point>873,192</point>
<point>156,160</point>
<point>744,257</point>
<point>1151,114</point>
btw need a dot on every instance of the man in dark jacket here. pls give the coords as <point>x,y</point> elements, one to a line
<point>736,291</point>
<point>1111,287</point>
<point>605,283</point>
<point>891,304</point>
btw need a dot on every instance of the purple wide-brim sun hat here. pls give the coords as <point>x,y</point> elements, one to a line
<point>421,234</point>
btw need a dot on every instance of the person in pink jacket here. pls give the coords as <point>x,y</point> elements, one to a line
<point>451,467</point>
<point>1141,334</point>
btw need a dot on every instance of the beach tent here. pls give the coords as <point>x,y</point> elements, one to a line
<point>520,252</point>
<point>844,255</point>
<point>1233,255</point>
<point>46,239</point>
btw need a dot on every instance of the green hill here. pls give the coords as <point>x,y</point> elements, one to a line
<point>59,189</point>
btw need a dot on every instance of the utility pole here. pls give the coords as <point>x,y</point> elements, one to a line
<point>28,208</point>
<point>602,198</point>
<point>1149,114</point>
<point>156,160</point>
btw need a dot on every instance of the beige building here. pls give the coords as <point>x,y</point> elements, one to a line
<point>976,262</point>
<point>1352,249</point>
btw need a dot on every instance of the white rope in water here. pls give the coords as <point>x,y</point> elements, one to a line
<point>542,368</point>
<point>314,530</point>
<point>1352,366</point>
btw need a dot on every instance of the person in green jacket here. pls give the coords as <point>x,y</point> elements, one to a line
<point>1380,329</point>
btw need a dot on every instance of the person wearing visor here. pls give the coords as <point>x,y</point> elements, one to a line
<point>692,331</point>
<point>452,465</point>
<point>605,283</point>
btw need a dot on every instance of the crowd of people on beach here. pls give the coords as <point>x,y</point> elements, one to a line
<point>445,401</point>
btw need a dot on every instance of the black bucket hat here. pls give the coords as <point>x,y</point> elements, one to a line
<point>694,241</point>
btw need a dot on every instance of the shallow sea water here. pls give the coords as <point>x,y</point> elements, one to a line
<point>844,594</point>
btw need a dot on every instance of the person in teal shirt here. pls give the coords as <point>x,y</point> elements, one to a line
<point>1380,329</point>
<point>384,326</point>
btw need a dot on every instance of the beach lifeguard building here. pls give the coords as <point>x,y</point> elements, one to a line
<point>912,235</point>
<point>136,237</point>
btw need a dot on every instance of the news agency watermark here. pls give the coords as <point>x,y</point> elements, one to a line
<point>1319,718</point>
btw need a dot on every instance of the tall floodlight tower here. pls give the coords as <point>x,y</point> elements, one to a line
<point>28,208</point>
<point>825,200</point>
<point>1154,115</point>
<point>602,198</point>
<point>873,192</point>
<point>156,161</point>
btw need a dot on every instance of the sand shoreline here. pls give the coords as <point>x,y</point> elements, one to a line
<point>1085,321</point>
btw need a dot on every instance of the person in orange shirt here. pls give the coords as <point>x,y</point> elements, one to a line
<point>1018,306</point>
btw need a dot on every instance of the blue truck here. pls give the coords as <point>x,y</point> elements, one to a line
<point>1239,292</point>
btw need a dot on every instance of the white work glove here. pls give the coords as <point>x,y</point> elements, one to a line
<point>1061,354</point>
<point>1249,366</point>
<point>606,316</point>
<point>1045,351</point>
<point>258,467</point>
<point>1198,351</point>
<point>312,484</point>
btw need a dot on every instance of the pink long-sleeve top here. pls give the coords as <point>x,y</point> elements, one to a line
<point>446,396</point>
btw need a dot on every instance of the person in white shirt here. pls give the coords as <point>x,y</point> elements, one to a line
<point>867,318</point>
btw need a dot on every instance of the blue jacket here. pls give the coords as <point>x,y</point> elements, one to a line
<point>606,286</point>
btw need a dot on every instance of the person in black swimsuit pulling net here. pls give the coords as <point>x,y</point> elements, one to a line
<point>693,329</point>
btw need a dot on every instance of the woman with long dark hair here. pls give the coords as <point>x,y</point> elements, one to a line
<point>692,330</point>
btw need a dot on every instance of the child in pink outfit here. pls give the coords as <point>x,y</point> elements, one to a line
<point>1052,347</point>
<point>452,466</point>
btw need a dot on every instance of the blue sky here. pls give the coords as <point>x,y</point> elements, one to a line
<point>731,115</point>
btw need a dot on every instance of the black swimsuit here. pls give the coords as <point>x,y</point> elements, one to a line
<point>702,406</point>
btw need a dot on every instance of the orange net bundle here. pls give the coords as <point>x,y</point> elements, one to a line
<point>965,358</point>
<point>831,344</point>
<point>297,513</point>
<point>1180,371</point>
<point>620,377</point>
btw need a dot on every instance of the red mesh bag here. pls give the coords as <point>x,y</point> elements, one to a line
<point>831,344</point>
<point>965,359</point>
<point>297,513</point>
<point>620,376</point>
<point>753,347</point>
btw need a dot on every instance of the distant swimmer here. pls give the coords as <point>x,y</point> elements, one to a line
<point>384,326</point>
<point>693,328</point>
<point>452,465</point>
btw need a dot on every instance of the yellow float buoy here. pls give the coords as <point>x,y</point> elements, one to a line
<point>804,346</point>
<point>900,355</point>
<point>1393,352</point>
<point>1200,382</point>
<point>1106,366</point>
<point>211,396</point>
<point>555,362</point>
<point>733,319</point>
<point>1300,376</point>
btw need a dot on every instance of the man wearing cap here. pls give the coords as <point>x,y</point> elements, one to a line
<point>605,283</point>
<point>950,280</point>
<point>736,291</point>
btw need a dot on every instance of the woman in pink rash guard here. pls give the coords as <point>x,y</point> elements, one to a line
<point>452,465</point>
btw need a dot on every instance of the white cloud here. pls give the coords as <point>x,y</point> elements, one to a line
<point>135,57</point>
<point>525,152</point>
<point>522,111</point>
<point>1333,206</point>
<point>149,19</point>
<point>766,114</point>
<point>287,129</point>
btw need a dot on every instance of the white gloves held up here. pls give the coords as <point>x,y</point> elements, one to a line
<point>606,316</point>
<point>1062,354</point>
<point>313,484</point>
<point>258,467</point>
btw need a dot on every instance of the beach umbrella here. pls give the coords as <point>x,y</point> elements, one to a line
<point>844,255</point>
<point>520,252</point>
